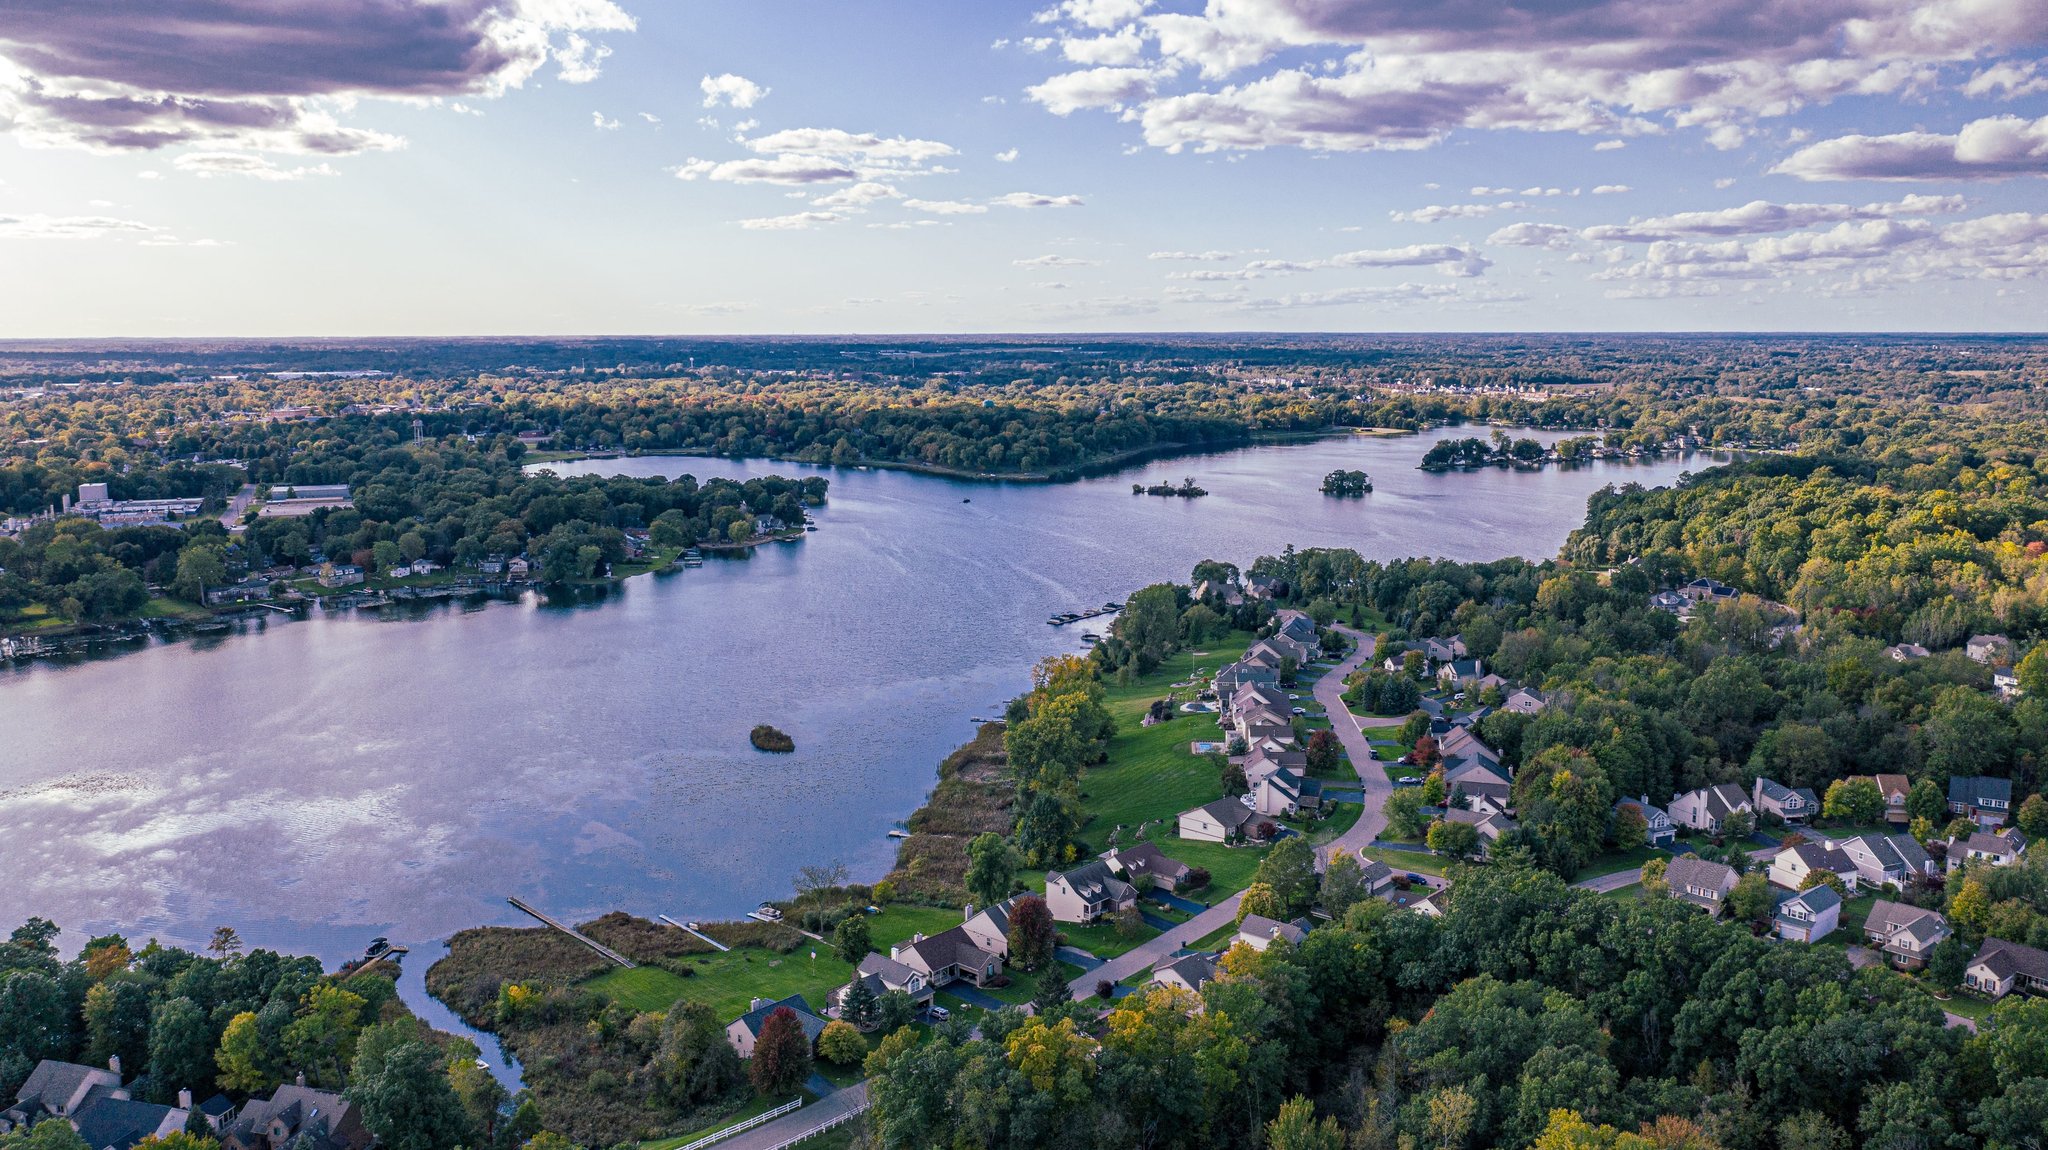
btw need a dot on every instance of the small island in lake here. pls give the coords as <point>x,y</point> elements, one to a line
<point>1347,483</point>
<point>1186,490</point>
<point>767,738</point>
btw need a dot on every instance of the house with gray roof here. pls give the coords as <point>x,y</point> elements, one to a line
<point>1808,915</point>
<point>1188,972</point>
<point>1792,865</point>
<point>1147,861</point>
<point>745,1030</point>
<point>1286,792</point>
<point>1258,932</point>
<point>1707,808</point>
<point>1989,649</point>
<point>1378,876</point>
<point>1985,799</point>
<point>1987,849</point>
<point>1884,860</point>
<point>1296,625</point>
<point>990,926</point>
<point>882,974</point>
<point>1658,829</point>
<point>1793,805</point>
<point>948,955</point>
<point>1699,882</point>
<point>116,1123</point>
<point>57,1090</point>
<point>1906,934</point>
<point>1222,821</point>
<point>328,1119</point>
<point>2002,967</point>
<point>95,1102</point>
<point>1087,893</point>
<point>1525,701</point>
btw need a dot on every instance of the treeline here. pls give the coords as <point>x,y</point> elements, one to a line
<point>242,1023</point>
<point>1053,731</point>
<point>1530,1014</point>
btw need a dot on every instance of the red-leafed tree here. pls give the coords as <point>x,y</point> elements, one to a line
<point>782,1055</point>
<point>1032,933</point>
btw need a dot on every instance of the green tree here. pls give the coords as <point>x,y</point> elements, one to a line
<point>894,1011</point>
<point>200,565</point>
<point>117,1022</point>
<point>694,1064</point>
<point>44,1136</point>
<point>840,1043</point>
<point>1045,829</point>
<point>1405,820</point>
<point>1453,839</point>
<point>859,1005</point>
<point>1150,624</point>
<point>1033,934</point>
<point>851,940</point>
<point>1926,801</point>
<point>1259,899</point>
<point>2032,817</point>
<point>1751,900</point>
<point>1946,966</point>
<point>991,867</point>
<point>1343,885</point>
<point>409,1104</point>
<point>1854,801</point>
<point>180,1051</point>
<point>2032,672</point>
<point>1296,1128</point>
<point>35,1022</point>
<point>1053,990</point>
<point>1811,1130</point>
<point>1289,870</point>
<point>782,1055</point>
<point>322,1039</point>
<point>247,1062</point>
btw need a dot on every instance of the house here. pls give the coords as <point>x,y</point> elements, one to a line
<point>1984,799</point>
<point>2007,682</point>
<point>1482,784</point>
<point>1378,876</point>
<point>1444,650</point>
<point>1524,701</point>
<point>1457,672</point>
<point>94,1101</point>
<point>1700,882</point>
<point>1286,792</point>
<point>883,974</point>
<point>517,566</point>
<point>1893,789</point>
<point>2002,967</point>
<point>1432,904</point>
<point>1258,932</point>
<point>1296,625</point>
<point>328,1118</point>
<point>1707,808</point>
<point>1670,601</point>
<point>1791,866</point>
<point>1458,745</point>
<point>1907,652</point>
<point>1263,760</point>
<point>1989,649</point>
<point>1982,846</point>
<point>1791,805</point>
<point>948,956</point>
<point>1265,587</point>
<point>1808,916</point>
<point>1906,934</point>
<point>1489,826</point>
<point>1218,822</point>
<point>491,565</point>
<point>1148,861</point>
<point>424,567</point>
<point>340,574</point>
<point>1226,592</point>
<point>1704,590</point>
<point>743,1031</point>
<point>1087,892</point>
<point>1887,859</point>
<point>1658,830</point>
<point>1188,972</point>
<point>989,928</point>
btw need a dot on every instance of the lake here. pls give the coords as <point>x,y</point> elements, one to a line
<point>315,783</point>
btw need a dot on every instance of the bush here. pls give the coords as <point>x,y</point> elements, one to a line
<point>767,738</point>
<point>1105,989</point>
<point>1198,877</point>
<point>841,1043</point>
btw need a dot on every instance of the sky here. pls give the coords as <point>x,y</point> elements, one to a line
<point>516,167</point>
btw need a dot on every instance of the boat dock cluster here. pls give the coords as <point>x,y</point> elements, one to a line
<point>1090,613</point>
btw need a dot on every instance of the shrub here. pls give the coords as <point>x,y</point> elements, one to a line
<point>841,1043</point>
<point>767,738</point>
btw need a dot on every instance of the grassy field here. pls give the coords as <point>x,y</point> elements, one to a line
<point>1405,861</point>
<point>1616,862</point>
<point>729,980</point>
<point>1102,939</point>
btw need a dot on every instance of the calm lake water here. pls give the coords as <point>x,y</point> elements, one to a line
<point>316,783</point>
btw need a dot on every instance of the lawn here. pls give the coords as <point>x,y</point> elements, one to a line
<point>1101,939</point>
<point>1403,861</point>
<point>1216,940</point>
<point>729,980</point>
<point>1617,861</point>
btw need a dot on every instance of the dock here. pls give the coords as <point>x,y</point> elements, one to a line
<point>688,929</point>
<point>1090,613</point>
<point>572,932</point>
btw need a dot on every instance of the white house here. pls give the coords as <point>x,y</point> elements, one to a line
<point>2002,967</point>
<point>1809,916</point>
<point>1258,932</point>
<point>1218,822</point>
<point>1707,808</point>
<point>1793,864</point>
<point>1087,892</point>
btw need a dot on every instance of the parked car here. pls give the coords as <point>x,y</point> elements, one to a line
<point>1417,879</point>
<point>938,1013</point>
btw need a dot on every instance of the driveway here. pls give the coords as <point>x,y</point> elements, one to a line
<point>1615,881</point>
<point>973,996</point>
<point>1168,898</point>
<point>1080,958</point>
<point>826,1111</point>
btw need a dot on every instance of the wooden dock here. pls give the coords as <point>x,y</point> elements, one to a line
<point>691,930</point>
<point>572,932</point>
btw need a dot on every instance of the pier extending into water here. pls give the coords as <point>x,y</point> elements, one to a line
<point>572,932</point>
<point>686,928</point>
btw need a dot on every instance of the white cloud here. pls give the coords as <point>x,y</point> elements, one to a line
<point>598,121</point>
<point>1724,183</point>
<point>1611,189</point>
<point>651,118</point>
<point>2007,80</point>
<point>945,207</point>
<point>864,149</point>
<point>1111,88</point>
<point>1556,237</point>
<point>209,164</point>
<point>858,196</point>
<point>796,221</point>
<point>1450,259</point>
<point>43,227</point>
<point>1094,13</point>
<point>1997,147</point>
<point>1113,50</point>
<point>1211,256</point>
<point>1007,156</point>
<point>1054,261</point>
<point>1437,212</point>
<point>1762,217</point>
<point>731,91</point>
<point>580,59</point>
<point>1035,200</point>
<point>771,170</point>
<point>1610,145</point>
<point>1390,76</point>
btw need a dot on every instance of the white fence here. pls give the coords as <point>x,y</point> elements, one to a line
<point>749,1124</point>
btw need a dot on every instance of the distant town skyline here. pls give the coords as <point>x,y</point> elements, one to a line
<point>521,167</point>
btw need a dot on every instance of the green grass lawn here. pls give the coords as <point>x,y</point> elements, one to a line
<point>160,607</point>
<point>1615,862</point>
<point>1404,861</point>
<point>1215,940</point>
<point>727,981</point>
<point>1101,939</point>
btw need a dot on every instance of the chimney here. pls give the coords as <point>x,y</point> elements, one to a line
<point>299,1079</point>
<point>967,915</point>
<point>918,937</point>
<point>114,1064</point>
<point>185,1099</point>
<point>756,1003</point>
